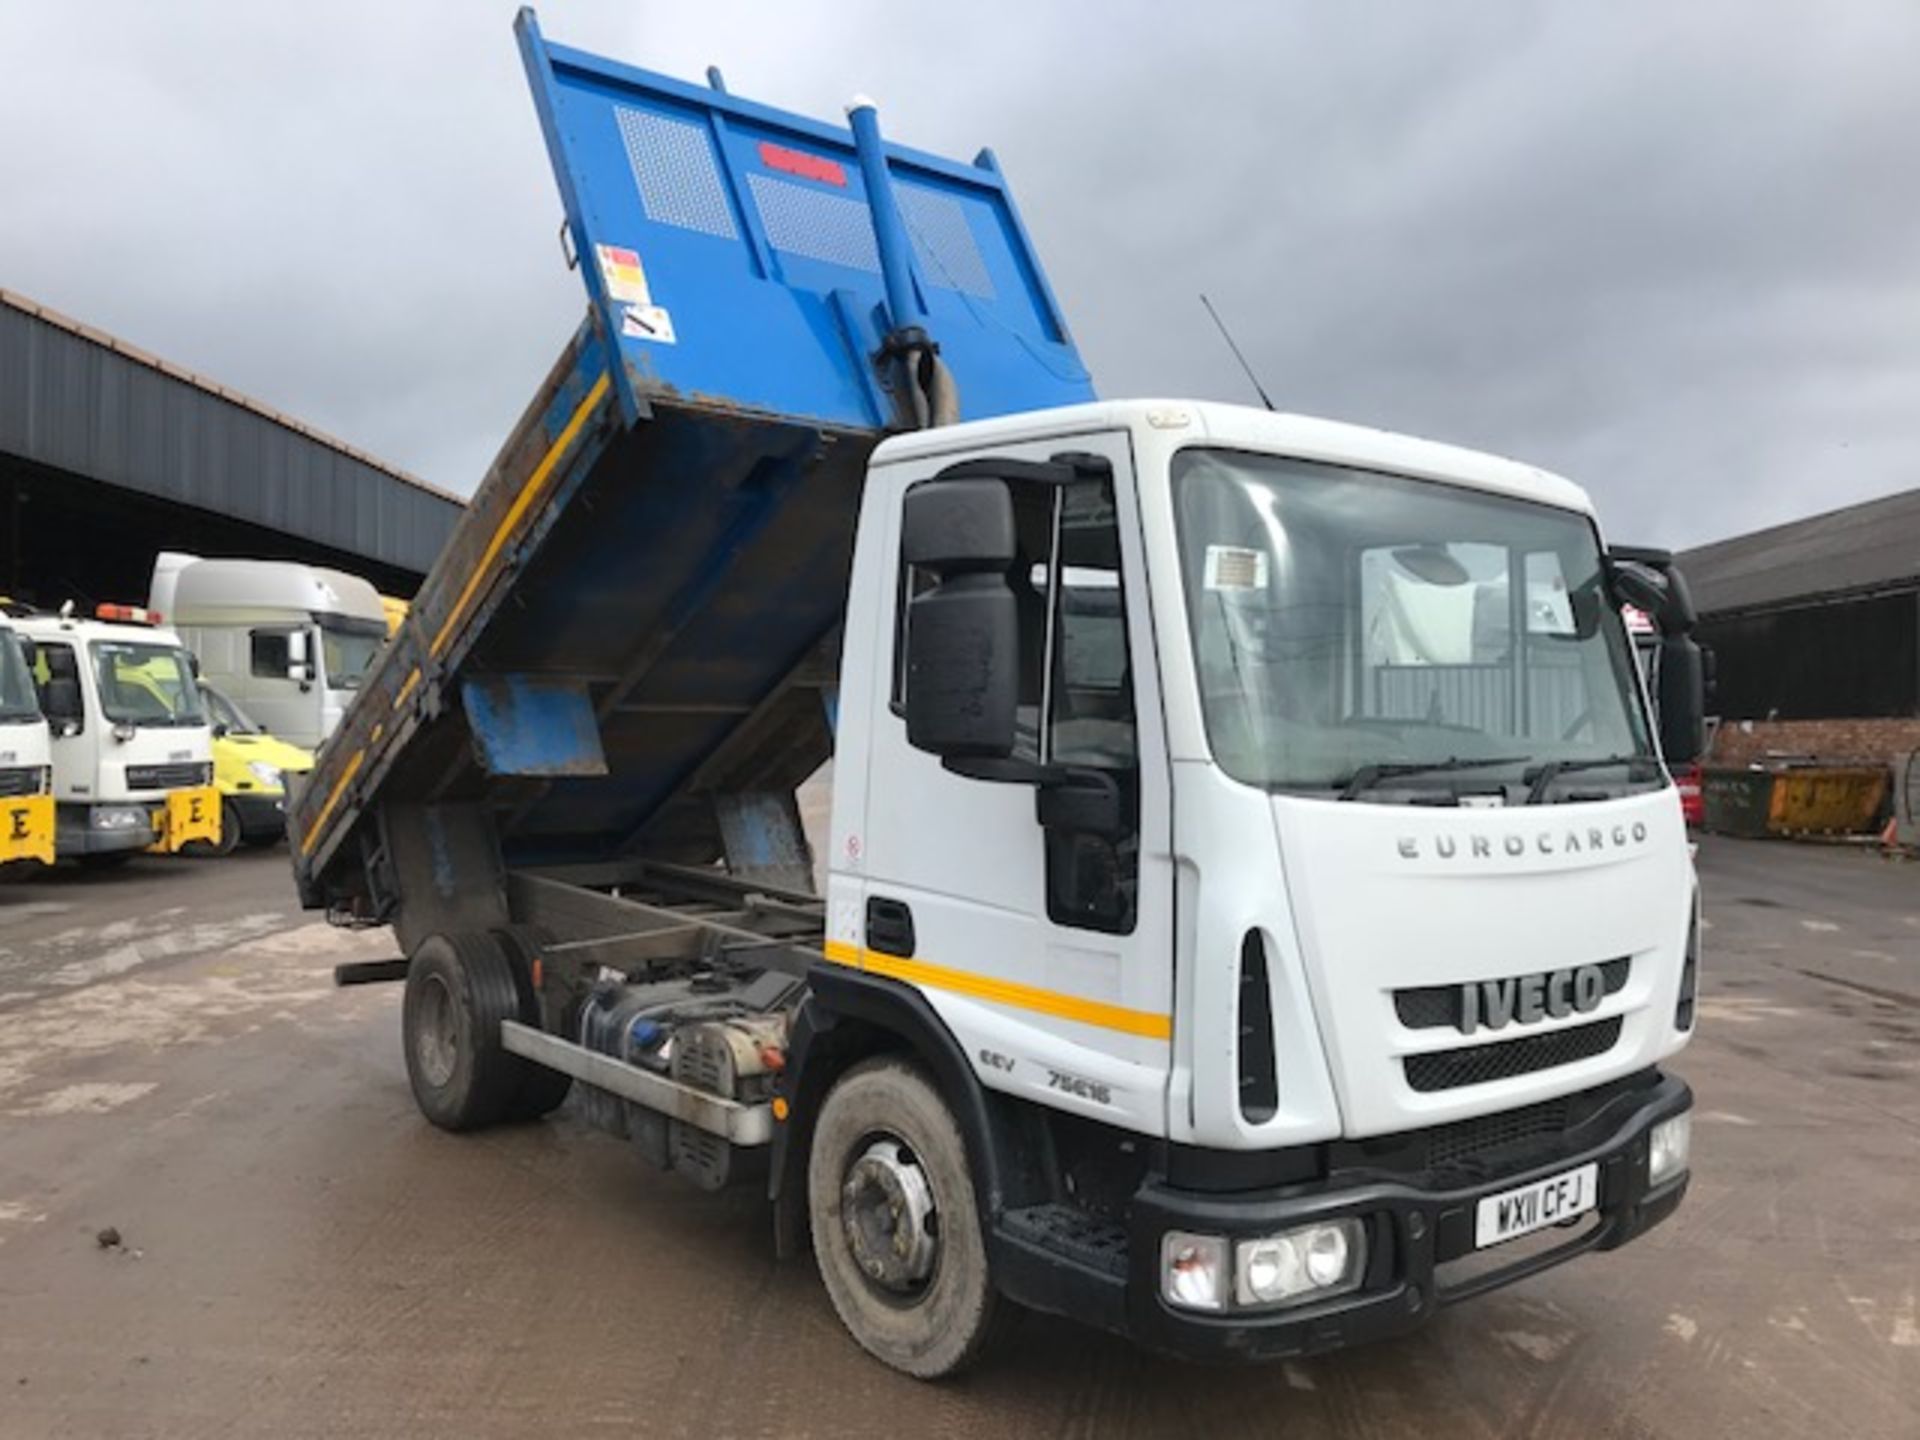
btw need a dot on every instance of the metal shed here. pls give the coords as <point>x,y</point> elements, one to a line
<point>1818,619</point>
<point>108,454</point>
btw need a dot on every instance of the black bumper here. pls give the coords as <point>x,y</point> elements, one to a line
<point>261,817</point>
<point>1414,1225</point>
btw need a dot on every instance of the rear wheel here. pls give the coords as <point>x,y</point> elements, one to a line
<point>896,1229</point>
<point>459,988</point>
<point>544,1090</point>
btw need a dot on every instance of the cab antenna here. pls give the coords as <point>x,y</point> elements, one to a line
<point>1227,335</point>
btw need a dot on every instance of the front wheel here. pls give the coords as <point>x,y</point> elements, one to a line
<point>896,1228</point>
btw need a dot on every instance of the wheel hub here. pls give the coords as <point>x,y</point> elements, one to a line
<point>437,1044</point>
<point>887,1211</point>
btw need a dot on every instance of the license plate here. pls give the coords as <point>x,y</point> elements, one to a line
<point>1527,1208</point>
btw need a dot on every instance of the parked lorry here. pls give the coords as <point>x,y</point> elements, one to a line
<point>26,775</point>
<point>130,743</point>
<point>1186,964</point>
<point>291,642</point>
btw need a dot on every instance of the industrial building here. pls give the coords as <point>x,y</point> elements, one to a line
<point>1815,628</point>
<point>109,454</point>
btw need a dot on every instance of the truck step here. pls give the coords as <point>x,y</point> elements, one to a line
<point>1087,1241</point>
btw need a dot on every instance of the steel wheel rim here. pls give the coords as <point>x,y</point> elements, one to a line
<point>889,1220</point>
<point>436,1043</point>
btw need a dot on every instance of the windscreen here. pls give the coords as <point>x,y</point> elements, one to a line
<point>149,685</point>
<point>1344,620</point>
<point>347,651</point>
<point>17,700</point>
<point>221,710</point>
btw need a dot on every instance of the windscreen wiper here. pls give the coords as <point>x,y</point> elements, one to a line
<point>1368,776</point>
<point>1554,769</point>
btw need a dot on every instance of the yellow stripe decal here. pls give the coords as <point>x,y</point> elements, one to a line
<point>407,687</point>
<point>1004,992</point>
<point>530,492</point>
<point>351,769</point>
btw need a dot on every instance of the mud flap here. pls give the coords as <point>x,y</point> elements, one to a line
<point>26,829</point>
<point>187,816</point>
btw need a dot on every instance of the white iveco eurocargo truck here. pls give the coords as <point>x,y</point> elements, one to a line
<point>1257,910</point>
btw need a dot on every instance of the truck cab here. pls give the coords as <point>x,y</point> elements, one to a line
<point>289,642</point>
<point>130,740</point>
<point>26,784</point>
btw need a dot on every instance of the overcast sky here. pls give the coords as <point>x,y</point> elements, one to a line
<point>1672,251</point>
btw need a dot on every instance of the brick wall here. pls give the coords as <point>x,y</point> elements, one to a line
<point>1739,741</point>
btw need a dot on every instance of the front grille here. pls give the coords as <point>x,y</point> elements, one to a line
<point>168,777</point>
<point>21,780</point>
<point>1467,1141</point>
<point>1429,1007</point>
<point>1477,1064</point>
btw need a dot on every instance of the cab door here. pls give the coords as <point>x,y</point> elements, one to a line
<point>1046,950</point>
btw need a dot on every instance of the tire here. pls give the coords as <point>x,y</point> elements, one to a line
<point>228,842</point>
<point>544,1090</point>
<point>459,988</point>
<point>886,1113</point>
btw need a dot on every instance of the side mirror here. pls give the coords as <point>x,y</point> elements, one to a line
<point>220,732</point>
<point>61,698</point>
<point>1082,802</point>
<point>1660,590</point>
<point>1683,700</point>
<point>963,634</point>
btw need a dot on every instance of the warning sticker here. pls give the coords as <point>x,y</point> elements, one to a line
<point>647,322</point>
<point>1232,567</point>
<point>621,272</point>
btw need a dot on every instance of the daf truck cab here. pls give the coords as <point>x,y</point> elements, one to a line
<point>26,777</point>
<point>130,740</point>
<point>290,642</point>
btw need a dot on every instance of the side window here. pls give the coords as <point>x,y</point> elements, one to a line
<point>1074,711</point>
<point>270,656</point>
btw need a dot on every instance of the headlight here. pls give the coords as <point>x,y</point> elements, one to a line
<point>1193,1271</point>
<point>1670,1149</point>
<point>1309,1263</point>
<point>268,775</point>
<point>120,817</point>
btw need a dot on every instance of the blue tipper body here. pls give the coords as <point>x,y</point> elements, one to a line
<point>755,246</point>
<point>636,622</point>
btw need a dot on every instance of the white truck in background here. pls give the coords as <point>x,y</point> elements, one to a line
<point>289,641</point>
<point>130,744</point>
<point>26,774</point>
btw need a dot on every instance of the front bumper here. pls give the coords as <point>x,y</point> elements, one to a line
<point>262,814</point>
<point>1415,1224</point>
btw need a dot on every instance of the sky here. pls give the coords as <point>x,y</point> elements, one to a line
<point>1671,251</point>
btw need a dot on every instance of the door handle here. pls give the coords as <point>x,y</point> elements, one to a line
<point>889,926</point>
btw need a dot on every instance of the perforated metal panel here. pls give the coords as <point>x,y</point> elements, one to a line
<point>943,243</point>
<point>1477,1064</point>
<point>805,220</point>
<point>674,170</point>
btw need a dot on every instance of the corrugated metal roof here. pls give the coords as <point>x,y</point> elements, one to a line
<point>1862,549</point>
<point>78,399</point>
